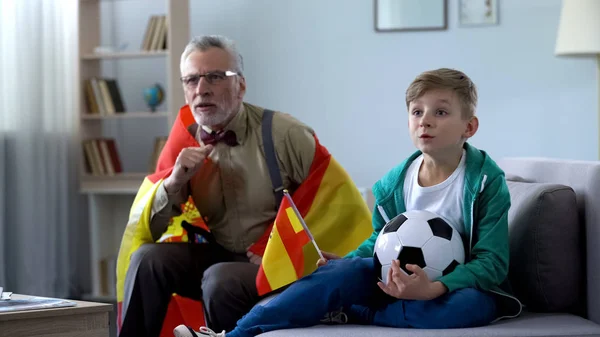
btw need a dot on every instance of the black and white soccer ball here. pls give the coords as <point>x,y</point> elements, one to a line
<point>422,238</point>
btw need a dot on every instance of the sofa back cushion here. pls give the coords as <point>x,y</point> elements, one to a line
<point>546,256</point>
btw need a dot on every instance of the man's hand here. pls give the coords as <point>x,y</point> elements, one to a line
<point>416,286</point>
<point>188,162</point>
<point>256,259</point>
<point>327,256</point>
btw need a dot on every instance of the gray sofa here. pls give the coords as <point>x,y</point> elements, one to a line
<point>554,225</point>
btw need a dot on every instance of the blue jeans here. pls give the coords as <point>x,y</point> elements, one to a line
<point>352,284</point>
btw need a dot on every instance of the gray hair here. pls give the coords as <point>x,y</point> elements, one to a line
<point>203,43</point>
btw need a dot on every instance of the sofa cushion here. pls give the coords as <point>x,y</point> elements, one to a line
<point>546,270</point>
<point>529,324</point>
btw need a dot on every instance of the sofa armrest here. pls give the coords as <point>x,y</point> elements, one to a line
<point>584,178</point>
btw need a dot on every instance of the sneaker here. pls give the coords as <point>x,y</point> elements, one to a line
<point>185,331</point>
<point>335,317</point>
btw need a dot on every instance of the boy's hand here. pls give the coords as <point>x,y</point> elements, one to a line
<point>416,286</point>
<point>327,256</point>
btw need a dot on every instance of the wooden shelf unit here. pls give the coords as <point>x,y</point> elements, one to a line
<point>110,196</point>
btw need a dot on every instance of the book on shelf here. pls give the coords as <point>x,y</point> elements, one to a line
<point>21,303</point>
<point>159,143</point>
<point>155,37</point>
<point>101,157</point>
<point>103,96</point>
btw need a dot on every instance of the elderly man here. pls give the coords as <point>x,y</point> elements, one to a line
<point>232,190</point>
<point>233,159</point>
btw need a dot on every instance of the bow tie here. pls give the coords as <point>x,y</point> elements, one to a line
<point>228,137</point>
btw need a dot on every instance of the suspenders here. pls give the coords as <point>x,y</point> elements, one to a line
<point>271,156</point>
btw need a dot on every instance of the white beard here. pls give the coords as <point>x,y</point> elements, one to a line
<point>226,109</point>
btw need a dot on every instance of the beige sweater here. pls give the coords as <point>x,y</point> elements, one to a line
<point>233,191</point>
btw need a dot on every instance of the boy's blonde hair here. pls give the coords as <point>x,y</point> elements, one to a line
<point>445,78</point>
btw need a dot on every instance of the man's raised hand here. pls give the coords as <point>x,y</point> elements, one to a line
<point>188,162</point>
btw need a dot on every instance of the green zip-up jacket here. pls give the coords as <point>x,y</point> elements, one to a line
<point>485,218</point>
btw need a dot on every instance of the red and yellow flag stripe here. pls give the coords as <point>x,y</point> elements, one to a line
<point>335,213</point>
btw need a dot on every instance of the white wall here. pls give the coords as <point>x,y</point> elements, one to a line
<point>323,62</point>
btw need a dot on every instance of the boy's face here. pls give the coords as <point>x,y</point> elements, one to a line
<point>436,123</point>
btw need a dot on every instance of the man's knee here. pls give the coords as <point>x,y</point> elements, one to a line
<point>227,278</point>
<point>213,278</point>
<point>228,293</point>
<point>147,258</point>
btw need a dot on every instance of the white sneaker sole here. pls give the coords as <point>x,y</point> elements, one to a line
<point>182,331</point>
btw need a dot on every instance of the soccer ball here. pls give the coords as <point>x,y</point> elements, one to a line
<point>421,238</point>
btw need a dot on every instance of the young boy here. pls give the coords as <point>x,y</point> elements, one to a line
<point>446,176</point>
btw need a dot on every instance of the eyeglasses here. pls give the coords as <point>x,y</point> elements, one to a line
<point>213,77</point>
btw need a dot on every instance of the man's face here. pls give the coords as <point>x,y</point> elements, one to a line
<point>216,98</point>
<point>436,122</point>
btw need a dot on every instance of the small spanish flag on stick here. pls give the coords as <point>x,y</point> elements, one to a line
<point>304,226</point>
<point>283,260</point>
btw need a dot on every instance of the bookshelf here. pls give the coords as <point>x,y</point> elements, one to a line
<point>111,191</point>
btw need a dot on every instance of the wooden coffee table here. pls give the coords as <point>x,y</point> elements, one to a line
<point>87,319</point>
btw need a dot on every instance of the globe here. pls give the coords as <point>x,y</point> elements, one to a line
<point>154,96</point>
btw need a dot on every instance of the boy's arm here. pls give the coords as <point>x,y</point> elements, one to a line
<point>367,247</point>
<point>489,264</point>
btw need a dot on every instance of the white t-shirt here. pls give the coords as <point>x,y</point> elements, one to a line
<point>444,199</point>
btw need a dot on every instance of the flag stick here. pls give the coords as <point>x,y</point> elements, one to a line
<point>287,195</point>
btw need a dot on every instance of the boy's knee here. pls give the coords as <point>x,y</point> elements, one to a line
<point>356,267</point>
<point>479,304</point>
<point>475,297</point>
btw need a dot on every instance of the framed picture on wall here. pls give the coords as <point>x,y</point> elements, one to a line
<point>410,15</point>
<point>478,12</point>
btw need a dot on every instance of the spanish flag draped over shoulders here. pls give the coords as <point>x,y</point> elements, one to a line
<point>137,232</point>
<point>328,201</point>
<point>335,213</point>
